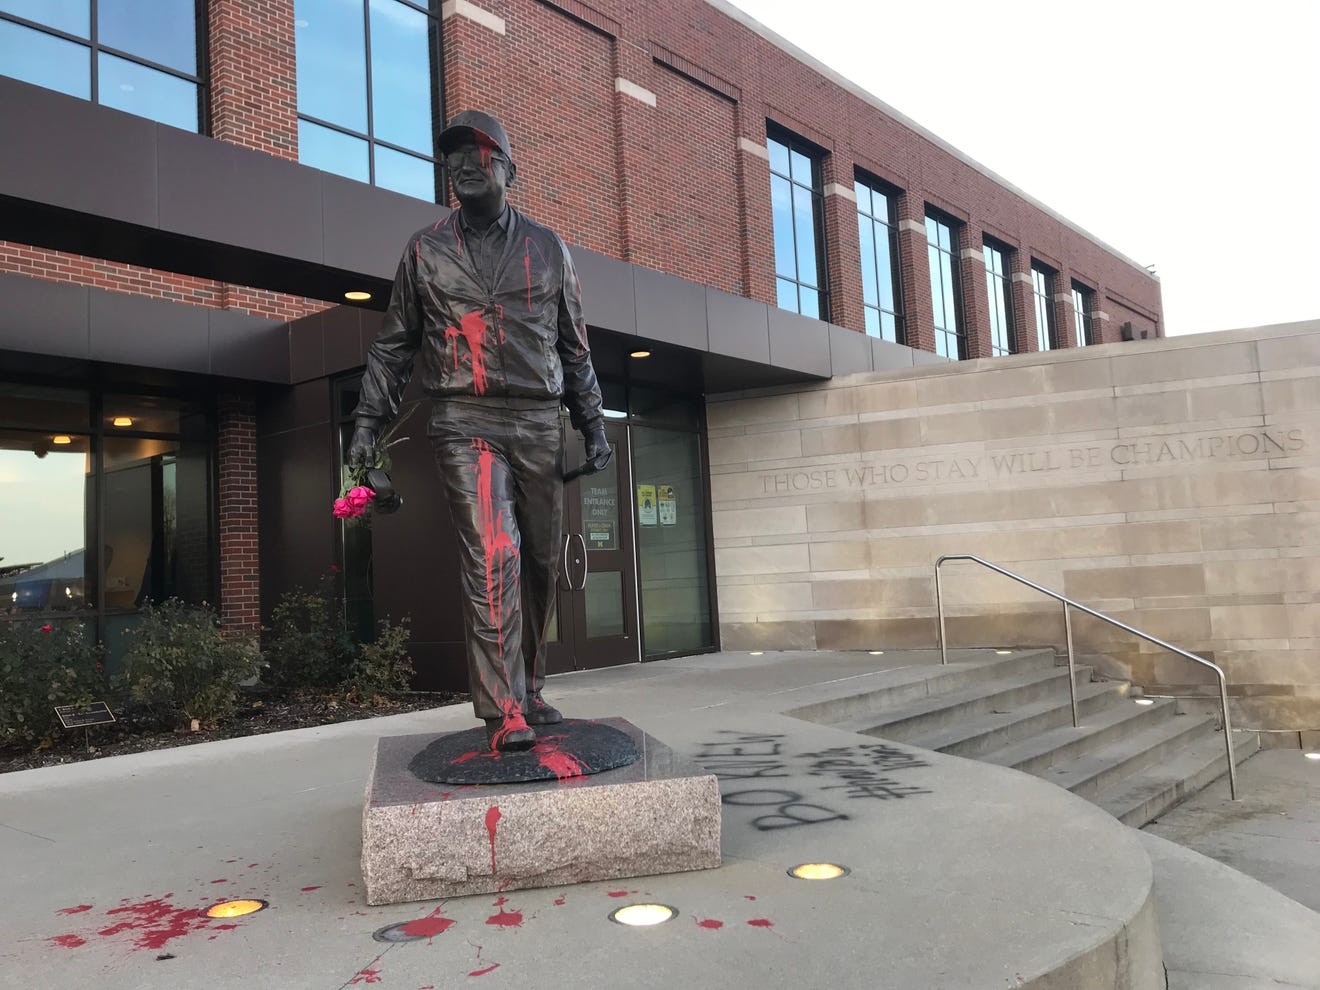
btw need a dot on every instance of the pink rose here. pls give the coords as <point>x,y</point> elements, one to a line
<point>334,568</point>
<point>344,509</point>
<point>361,496</point>
<point>47,628</point>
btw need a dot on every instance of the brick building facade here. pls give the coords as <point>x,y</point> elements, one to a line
<point>640,131</point>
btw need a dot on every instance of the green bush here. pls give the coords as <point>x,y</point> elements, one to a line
<point>307,644</point>
<point>44,664</point>
<point>382,667</point>
<point>177,663</point>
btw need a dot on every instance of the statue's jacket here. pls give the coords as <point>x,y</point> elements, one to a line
<point>517,335</point>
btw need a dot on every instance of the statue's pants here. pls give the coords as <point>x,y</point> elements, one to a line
<point>500,460</point>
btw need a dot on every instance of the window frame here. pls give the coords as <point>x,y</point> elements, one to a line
<point>431,8</point>
<point>1047,337</point>
<point>1083,304</point>
<point>1006,253</point>
<point>816,155</point>
<point>890,223</point>
<point>959,332</point>
<point>201,80</point>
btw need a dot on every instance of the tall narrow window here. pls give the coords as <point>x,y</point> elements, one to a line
<point>1000,298</point>
<point>1082,305</point>
<point>1042,293</point>
<point>368,91</point>
<point>940,240</point>
<point>141,58</point>
<point>795,197</point>
<point>880,287</point>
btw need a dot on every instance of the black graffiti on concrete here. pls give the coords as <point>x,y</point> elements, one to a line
<point>756,756</point>
<point>864,771</point>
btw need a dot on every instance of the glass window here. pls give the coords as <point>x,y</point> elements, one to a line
<point>950,340</point>
<point>1042,293</point>
<point>878,235</point>
<point>1081,303</point>
<point>1000,298</point>
<point>367,85</point>
<point>137,57</point>
<point>795,203</point>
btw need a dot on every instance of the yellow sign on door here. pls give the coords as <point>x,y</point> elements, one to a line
<point>646,512</point>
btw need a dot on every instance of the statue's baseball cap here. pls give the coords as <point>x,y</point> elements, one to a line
<point>470,123</point>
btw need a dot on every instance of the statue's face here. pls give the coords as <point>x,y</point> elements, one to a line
<point>479,172</point>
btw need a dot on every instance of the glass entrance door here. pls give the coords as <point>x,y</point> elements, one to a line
<point>596,624</point>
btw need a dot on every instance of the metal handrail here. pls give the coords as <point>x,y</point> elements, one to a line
<point>1067,625</point>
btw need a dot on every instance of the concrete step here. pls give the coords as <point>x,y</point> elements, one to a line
<point>977,736</point>
<point>948,708</point>
<point>910,684</point>
<point>1152,745</point>
<point>1144,796</point>
<point>1055,746</point>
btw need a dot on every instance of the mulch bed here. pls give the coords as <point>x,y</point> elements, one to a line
<point>137,732</point>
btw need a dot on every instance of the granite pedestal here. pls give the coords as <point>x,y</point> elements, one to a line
<point>422,840</point>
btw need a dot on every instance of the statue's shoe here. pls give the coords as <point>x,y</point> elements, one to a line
<point>537,712</point>
<point>509,734</point>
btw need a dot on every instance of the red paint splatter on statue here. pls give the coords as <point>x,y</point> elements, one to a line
<point>79,909</point>
<point>492,820</point>
<point>430,926</point>
<point>67,941</point>
<point>473,329</point>
<point>528,245</point>
<point>505,919</point>
<point>308,890</point>
<point>482,972</point>
<point>708,923</point>
<point>496,543</point>
<point>761,923</point>
<point>563,765</point>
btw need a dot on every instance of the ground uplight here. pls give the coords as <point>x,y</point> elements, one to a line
<point>235,909</point>
<point>642,915</point>
<point>819,871</point>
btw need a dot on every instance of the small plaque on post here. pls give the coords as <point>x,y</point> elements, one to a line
<point>75,716</point>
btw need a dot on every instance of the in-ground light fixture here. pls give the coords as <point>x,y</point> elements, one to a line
<point>818,871</point>
<point>235,909</point>
<point>643,915</point>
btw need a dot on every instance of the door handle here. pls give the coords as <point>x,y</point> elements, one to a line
<point>585,566</point>
<point>563,560</point>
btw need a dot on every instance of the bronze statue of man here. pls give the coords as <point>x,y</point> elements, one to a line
<point>489,299</point>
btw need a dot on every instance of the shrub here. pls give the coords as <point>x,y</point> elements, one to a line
<point>177,662</point>
<point>44,664</point>
<point>308,645</point>
<point>383,666</point>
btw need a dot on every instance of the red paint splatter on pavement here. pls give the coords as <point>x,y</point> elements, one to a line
<point>225,928</point>
<point>308,890</point>
<point>75,910</point>
<point>709,923</point>
<point>750,897</point>
<point>158,921</point>
<point>367,975</point>
<point>231,861</point>
<point>67,941</point>
<point>559,902</point>
<point>252,866</point>
<point>221,880</point>
<point>761,923</point>
<point>482,972</point>
<point>617,893</point>
<point>473,329</point>
<point>123,926</point>
<point>430,926</point>
<point>492,820</point>
<point>505,919</point>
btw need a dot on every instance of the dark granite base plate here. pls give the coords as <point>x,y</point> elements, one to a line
<point>572,748</point>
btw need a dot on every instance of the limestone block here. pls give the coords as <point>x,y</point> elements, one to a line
<point>422,841</point>
<point>786,559</point>
<point>890,434</point>
<point>772,521</point>
<point>833,517</point>
<point>850,555</point>
<point>762,409</point>
<point>1224,402</point>
<point>796,635</point>
<point>1166,580</point>
<point>831,440</point>
<point>777,446</point>
<point>1249,622</point>
<point>1283,353</point>
<point>764,597</point>
<point>1182,364</point>
<point>886,396</point>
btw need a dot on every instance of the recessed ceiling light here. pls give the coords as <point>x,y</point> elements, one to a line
<point>1143,701</point>
<point>614,414</point>
<point>1003,653</point>
<point>1313,755</point>
<point>357,296</point>
<point>640,354</point>
<point>641,915</point>
<point>876,653</point>
<point>62,439</point>
<point>757,653</point>
<point>235,909</point>
<point>819,871</point>
<point>122,421</point>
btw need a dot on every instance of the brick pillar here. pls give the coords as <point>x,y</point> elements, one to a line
<point>254,75</point>
<point>237,470</point>
<point>638,150</point>
<point>1065,324</point>
<point>757,232</point>
<point>843,250</point>
<point>975,300</point>
<point>1103,330</point>
<point>914,273</point>
<point>1024,305</point>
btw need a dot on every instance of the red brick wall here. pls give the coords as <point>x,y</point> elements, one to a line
<point>240,606</point>
<point>695,206</point>
<point>59,266</point>
<point>254,75</point>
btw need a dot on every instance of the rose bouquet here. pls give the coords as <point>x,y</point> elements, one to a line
<point>367,485</point>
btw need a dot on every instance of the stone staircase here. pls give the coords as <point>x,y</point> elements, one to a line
<point>1134,761</point>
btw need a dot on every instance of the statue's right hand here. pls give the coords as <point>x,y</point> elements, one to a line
<point>362,448</point>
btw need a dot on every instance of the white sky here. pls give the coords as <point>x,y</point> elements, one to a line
<point>1184,134</point>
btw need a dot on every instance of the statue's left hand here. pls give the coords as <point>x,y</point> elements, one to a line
<point>597,446</point>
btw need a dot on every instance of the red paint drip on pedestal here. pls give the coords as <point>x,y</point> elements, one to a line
<point>505,919</point>
<point>492,820</point>
<point>430,926</point>
<point>483,972</point>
